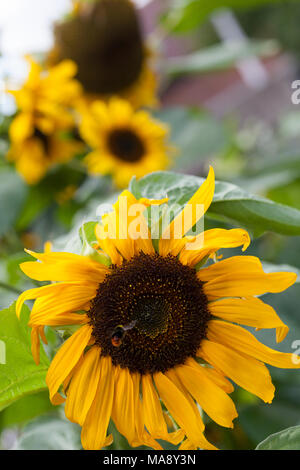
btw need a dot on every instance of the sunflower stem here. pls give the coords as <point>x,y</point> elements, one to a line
<point>3,285</point>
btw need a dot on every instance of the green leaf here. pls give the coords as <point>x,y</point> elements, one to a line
<point>218,57</point>
<point>26,409</point>
<point>12,194</point>
<point>266,172</point>
<point>50,434</point>
<point>19,376</point>
<point>230,203</point>
<point>88,239</point>
<point>36,202</point>
<point>288,439</point>
<point>14,273</point>
<point>185,15</point>
<point>135,187</point>
<point>287,194</point>
<point>50,192</point>
<point>87,233</point>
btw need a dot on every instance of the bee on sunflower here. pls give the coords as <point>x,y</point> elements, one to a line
<point>156,326</point>
<point>125,142</point>
<point>104,39</point>
<point>38,132</point>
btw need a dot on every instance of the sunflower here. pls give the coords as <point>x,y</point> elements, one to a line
<point>104,39</point>
<point>125,142</point>
<point>37,133</point>
<point>155,326</point>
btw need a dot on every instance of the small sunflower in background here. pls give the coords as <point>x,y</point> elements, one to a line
<point>39,132</point>
<point>105,41</point>
<point>125,142</point>
<point>156,326</point>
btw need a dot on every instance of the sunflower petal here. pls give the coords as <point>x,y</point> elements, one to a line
<point>66,359</point>
<point>211,241</point>
<point>181,410</point>
<point>83,386</point>
<point>64,267</point>
<point>153,414</point>
<point>247,372</point>
<point>234,264</point>
<point>93,435</point>
<point>171,374</point>
<point>214,401</point>
<point>124,231</point>
<point>21,127</point>
<point>59,319</point>
<point>241,340</point>
<point>143,434</point>
<point>74,297</point>
<point>251,312</point>
<point>187,445</point>
<point>30,294</point>
<point>188,217</point>
<point>219,379</point>
<point>244,284</point>
<point>35,344</point>
<point>124,409</point>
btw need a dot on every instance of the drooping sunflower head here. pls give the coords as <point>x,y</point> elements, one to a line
<point>104,39</point>
<point>44,114</point>
<point>156,325</point>
<point>125,142</point>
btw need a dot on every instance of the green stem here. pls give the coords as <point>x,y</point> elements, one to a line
<point>3,285</point>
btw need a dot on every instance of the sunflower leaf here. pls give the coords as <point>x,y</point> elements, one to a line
<point>87,233</point>
<point>230,203</point>
<point>19,375</point>
<point>49,434</point>
<point>89,240</point>
<point>186,15</point>
<point>25,409</point>
<point>218,57</point>
<point>288,439</point>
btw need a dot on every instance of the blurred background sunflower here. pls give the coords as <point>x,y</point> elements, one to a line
<point>105,40</point>
<point>125,142</point>
<point>38,133</point>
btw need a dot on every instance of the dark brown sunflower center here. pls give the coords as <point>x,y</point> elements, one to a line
<point>126,145</point>
<point>105,41</point>
<point>150,314</point>
<point>43,138</point>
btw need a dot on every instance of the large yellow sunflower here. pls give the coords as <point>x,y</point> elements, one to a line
<point>44,115</point>
<point>125,142</point>
<point>154,329</point>
<point>104,39</point>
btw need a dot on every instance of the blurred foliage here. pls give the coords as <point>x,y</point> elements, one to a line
<point>280,21</point>
<point>218,57</point>
<point>49,433</point>
<point>186,15</point>
<point>25,409</point>
<point>261,166</point>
